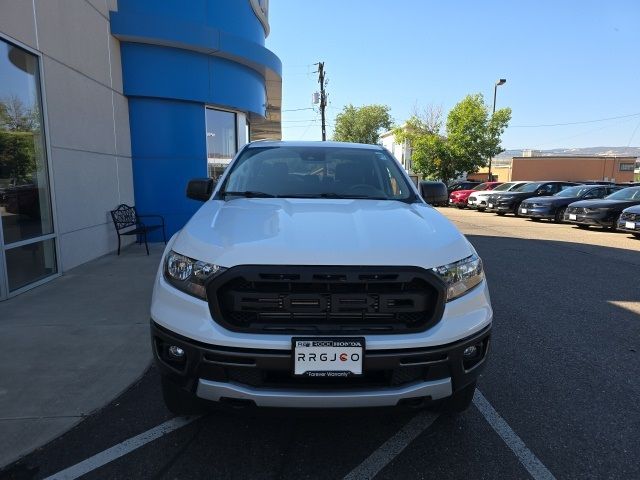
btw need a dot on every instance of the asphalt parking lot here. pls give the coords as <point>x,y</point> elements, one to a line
<point>559,397</point>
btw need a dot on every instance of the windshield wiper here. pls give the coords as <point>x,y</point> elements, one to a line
<point>332,195</point>
<point>250,194</point>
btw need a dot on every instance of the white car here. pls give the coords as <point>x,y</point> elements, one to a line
<point>478,200</point>
<point>315,276</point>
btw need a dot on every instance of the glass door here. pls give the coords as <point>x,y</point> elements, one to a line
<point>27,239</point>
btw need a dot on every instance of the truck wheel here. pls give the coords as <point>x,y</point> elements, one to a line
<point>461,400</point>
<point>559,216</point>
<point>614,225</point>
<point>179,401</point>
<point>516,210</point>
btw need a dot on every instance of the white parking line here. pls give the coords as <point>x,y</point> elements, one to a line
<point>392,447</point>
<point>534,466</point>
<point>396,444</point>
<point>121,449</point>
<point>368,469</point>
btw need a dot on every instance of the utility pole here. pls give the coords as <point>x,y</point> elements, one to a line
<point>323,98</point>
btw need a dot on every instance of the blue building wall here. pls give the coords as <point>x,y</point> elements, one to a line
<point>177,57</point>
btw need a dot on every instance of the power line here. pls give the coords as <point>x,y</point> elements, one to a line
<point>575,123</point>
<point>592,130</point>
<point>298,121</point>
<point>633,134</point>
<point>297,109</point>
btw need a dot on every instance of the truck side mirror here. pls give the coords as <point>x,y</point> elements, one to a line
<point>200,189</point>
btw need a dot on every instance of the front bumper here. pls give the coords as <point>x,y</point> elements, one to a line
<point>536,212</point>
<point>263,377</point>
<point>629,226</point>
<point>500,207</point>
<point>597,219</point>
<point>479,203</point>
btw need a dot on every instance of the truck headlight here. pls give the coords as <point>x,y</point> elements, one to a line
<point>189,275</point>
<point>461,276</point>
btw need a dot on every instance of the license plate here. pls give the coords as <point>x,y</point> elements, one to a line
<point>523,210</point>
<point>328,357</point>
<point>630,225</point>
<point>491,205</point>
<point>572,216</point>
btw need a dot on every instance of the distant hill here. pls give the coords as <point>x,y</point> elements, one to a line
<point>619,151</point>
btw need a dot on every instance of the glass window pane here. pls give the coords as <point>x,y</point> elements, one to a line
<point>24,187</point>
<point>221,140</point>
<point>30,263</point>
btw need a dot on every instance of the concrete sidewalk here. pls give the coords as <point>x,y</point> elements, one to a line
<point>69,347</point>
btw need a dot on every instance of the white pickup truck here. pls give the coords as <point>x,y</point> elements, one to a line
<point>315,276</point>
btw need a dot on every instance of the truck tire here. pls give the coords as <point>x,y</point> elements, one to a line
<point>461,400</point>
<point>178,401</point>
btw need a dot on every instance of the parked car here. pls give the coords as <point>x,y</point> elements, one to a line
<point>333,291</point>
<point>604,212</point>
<point>434,193</point>
<point>459,197</point>
<point>553,207</point>
<point>629,220</point>
<point>461,185</point>
<point>509,202</point>
<point>478,200</point>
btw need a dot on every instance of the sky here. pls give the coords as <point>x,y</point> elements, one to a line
<point>565,61</point>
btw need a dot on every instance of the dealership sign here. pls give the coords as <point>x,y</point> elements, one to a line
<point>261,7</point>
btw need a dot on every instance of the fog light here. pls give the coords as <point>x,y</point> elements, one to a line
<point>176,352</point>
<point>470,352</point>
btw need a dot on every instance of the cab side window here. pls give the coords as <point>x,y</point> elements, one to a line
<point>548,189</point>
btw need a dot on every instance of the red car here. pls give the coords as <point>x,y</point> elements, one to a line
<point>459,198</point>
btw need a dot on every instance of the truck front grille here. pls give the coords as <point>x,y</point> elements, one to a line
<point>326,300</point>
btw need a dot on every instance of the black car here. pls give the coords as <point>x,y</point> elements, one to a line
<point>462,185</point>
<point>604,212</point>
<point>509,202</point>
<point>629,220</point>
<point>553,207</point>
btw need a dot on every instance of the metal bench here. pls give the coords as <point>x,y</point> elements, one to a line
<point>128,222</point>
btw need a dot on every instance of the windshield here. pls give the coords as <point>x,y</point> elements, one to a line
<point>482,186</point>
<point>317,172</point>
<point>504,187</point>
<point>527,187</point>
<point>632,193</point>
<point>577,191</point>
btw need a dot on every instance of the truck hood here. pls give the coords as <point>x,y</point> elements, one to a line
<point>604,203</point>
<point>551,200</point>
<point>275,231</point>
<point>483,193</point>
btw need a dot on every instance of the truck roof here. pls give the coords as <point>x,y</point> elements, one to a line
<point>294,143</point>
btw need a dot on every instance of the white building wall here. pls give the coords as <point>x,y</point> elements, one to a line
<point>87,117</point>
<point>401,151</point>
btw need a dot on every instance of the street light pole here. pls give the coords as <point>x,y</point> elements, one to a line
<point>502,81</point>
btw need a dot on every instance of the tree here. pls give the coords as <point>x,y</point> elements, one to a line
<point>425,121</point>
<point>472,136</point>
<point>15,116</point>
<point>18,124</point>
<point>362,124</point>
